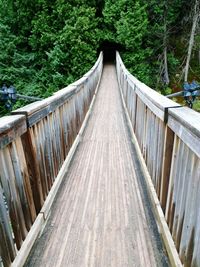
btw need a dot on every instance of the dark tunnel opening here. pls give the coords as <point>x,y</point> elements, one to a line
<point>109,51</point>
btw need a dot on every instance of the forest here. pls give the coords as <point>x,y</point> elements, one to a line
<point>45,45</point>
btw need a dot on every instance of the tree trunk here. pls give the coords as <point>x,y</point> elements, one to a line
<point>166,74</point>
<point>165,37</point>
<point>191,42</point>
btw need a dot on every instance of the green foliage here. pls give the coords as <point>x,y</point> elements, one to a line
<point>167,91</point>
<point>45,45</point>
<point>131,32</point>
<point>132,26</point>
<point>196,105</point>
<point>126,23</point>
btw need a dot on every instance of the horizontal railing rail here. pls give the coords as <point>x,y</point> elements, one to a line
<point>169,139</point>
<point>34,143</point>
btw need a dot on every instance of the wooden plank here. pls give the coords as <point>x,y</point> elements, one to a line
<point>144,134</point>
<point>46,156</point>
<point>170,247</point>
<point>138,117</point>
<point>195,256</point>
<point>154,147</point>
<point>9,200</point>
<point>49,149</point>
<point>60,131</point>
<point>151,140</point>
<point>41,218</point>
<point>64,131</point>
<point>186,134</point>
<point>49,201</point>
<point>28,243</point>
<point>65,91</point>
<point>38,110</point>
<point>12,197</point>
<point>31,108</point>
<point>169,214</point>
<point>159,163</point>
<point>99,208</point>
<point>57,124</point>
<point>20,182</point>
<point>26,179</point>
<point>179,176</point>
<point>148,142</point>
<point>166,163</point>
<point>191,207</point>
<point>7,247</point>
<point>39,159</point>
<point>183,190</point>
<point>10,128</point>
<point>30,150</point>
<point>15,192</point>
<point>160,113</point>
<point>188,118</point>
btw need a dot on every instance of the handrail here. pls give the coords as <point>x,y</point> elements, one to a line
<point>168,136</point>
<point>34,143</point>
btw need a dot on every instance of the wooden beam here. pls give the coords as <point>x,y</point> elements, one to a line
<point>10,128</point>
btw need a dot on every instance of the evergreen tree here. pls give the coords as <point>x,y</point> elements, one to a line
<point>45,45</point>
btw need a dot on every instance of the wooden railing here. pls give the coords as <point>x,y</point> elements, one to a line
<point>34,143</point>
<point>169,139</point>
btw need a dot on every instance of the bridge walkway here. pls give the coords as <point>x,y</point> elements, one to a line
<point>102,215</point>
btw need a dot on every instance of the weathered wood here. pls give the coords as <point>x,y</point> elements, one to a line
<point>11,128</point>
<point>31,158</point>
<point>181,196</point>
<point>7,247</point>
<point>160,113</point>
<point>186,130</point>
<point>187,244</point>
<point>12,197</point>
<point>171,250</point>
<point>33,168</point>
<point>159,163</point>
<point>15,158</point>
<point>169,137</point>
<point>28,243</point>
<point>23,169</point>
<point>98,217</point>
<point>167,157</point>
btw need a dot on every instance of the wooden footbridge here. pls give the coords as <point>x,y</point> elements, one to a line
<point>106,172</point>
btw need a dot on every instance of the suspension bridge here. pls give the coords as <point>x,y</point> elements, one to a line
<point>106,172</point>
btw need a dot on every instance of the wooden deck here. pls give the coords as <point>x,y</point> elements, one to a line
<point>102,215</point>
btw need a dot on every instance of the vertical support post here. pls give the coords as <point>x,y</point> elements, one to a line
<point>167,157</point>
